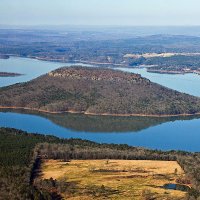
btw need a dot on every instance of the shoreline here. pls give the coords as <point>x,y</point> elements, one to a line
<point>113,65</point>
<point>85,62</point>
<point>102,114</point>
<point>171,72</point>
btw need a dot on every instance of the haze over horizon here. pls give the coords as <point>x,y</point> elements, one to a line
<point>104,12</point>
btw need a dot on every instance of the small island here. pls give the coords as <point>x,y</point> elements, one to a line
<point>9,74</point>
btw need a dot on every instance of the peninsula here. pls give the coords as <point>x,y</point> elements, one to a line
<point>98,91</point>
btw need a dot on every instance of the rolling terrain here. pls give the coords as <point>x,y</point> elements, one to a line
<point>168,52</point>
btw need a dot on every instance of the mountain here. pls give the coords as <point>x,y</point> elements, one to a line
<point>97,91</point>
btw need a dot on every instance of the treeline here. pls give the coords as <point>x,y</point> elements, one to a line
<point>79,149</point>
<point>173,63</point>
<point>21,155</point>
<point>16,163</point>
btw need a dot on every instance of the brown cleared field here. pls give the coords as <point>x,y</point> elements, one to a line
<point>115,179</point>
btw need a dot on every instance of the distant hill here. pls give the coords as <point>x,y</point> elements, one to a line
<point>97,91</point>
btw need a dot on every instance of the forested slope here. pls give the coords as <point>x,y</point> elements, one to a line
<point>98,91</point>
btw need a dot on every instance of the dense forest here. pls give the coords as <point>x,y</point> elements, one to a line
<point>21,154</point>
<point>16,163</point>
<point>97,91</point>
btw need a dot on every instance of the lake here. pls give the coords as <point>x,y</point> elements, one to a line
<point>178,133</point>
<point>31,68</point>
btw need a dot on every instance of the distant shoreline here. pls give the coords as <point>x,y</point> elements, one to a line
<point>115,65</point>
<point>9,74</point>
<point>100,114</point>
<point>171,72</point>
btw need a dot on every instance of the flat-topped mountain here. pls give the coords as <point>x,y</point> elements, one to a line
<point>97,91</point>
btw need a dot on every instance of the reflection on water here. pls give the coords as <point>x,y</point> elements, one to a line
<point>155,133</point>
<point>102,124</point>
<point>108,123</point>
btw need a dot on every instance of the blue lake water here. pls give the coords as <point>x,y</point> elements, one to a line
<point>179,134</point>
<point>155,133</point>
<point>30,68</point>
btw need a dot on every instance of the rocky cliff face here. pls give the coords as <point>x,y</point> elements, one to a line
<point>95,74</point>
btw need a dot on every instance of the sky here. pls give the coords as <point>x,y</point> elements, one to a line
<point>100,12</point>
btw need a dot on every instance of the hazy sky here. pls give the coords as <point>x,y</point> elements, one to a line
<point>100,12</point>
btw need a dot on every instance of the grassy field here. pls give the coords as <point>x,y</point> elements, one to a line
<point>115,179</point>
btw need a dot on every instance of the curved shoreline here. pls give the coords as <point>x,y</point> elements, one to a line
<point>96,114</point>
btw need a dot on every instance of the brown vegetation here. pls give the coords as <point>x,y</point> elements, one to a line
<point>127,179</point>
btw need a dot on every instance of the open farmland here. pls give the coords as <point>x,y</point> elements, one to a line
<point>115,179</point>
